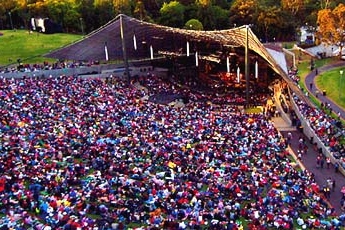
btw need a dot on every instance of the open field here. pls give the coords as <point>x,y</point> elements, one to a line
<point>303,65</point>
<point>333,82</point>
<point>29,47</point>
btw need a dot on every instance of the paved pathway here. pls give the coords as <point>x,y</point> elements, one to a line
<point>310,81</point>
<point>309,159</point>
<point>309,162</point>
<point>321,175</point>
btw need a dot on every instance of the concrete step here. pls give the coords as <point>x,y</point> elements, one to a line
<point>282,125</point>
<point>286,128</point>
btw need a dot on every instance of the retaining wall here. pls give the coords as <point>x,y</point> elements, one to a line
<point>310,133</point>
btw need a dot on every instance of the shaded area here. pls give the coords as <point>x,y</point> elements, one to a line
<point>166,98</point>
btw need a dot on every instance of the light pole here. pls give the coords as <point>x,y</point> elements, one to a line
<point>124,50</point>
<point>246,64</point>
<point>10,15</point>
<point>340,81</point>
<point>81,26</point>
<point>29,15</point>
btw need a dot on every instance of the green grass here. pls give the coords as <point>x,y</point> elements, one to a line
<point>29,47</point>
<point>334,85</point>
<point>288,45</point>
<point>329,81</point>
<point>304,70</point>
<point>254,110</point>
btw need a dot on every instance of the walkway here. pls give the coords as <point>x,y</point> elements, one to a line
<point>310,81</point>
<point>309,159</point>
<point>321,175</point>
<point>309,162</point>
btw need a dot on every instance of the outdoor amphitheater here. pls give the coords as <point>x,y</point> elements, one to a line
<point>187,142</point>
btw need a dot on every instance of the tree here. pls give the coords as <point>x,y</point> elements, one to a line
<point>293,6</point>
<point>286,29</point>
<point>221,17</point>
<point>205,14</point>
<point>187,2</point>
<point>140,11</point>
<point>172,14</point>
<point>86,11</point>
<point>224,4</point>
<point>312,7</point>
<point>152,8</point>
<point>38,9</point>
<point>193,24</point>
<point>122,7</point>
<point>243,12</point>
<point>191,11</point>
<point>23,11</point>
<point>325,4</point>
<point>331,26</point>
<point>105,11</point>
<point>5,8</point>
<point>64,13</point>
<point>204,3</point>
<point>269,19</point>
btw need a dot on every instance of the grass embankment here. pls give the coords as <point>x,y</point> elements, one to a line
<point>333,83</point>
<point>29,47</point>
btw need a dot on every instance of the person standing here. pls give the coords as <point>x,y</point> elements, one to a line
<point>330,183</point>
<point>322,162</point>
<point>336,167</point>
<point>326,192</point>
<point>318,162</point>
<point>289,137</point>
<point>299,155</point>
<point>328,162</point>
<point>333,184</point>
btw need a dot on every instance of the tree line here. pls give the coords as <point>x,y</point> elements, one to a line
<point>271,20</point>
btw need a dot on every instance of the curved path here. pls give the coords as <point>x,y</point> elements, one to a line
<point>312,88</point>
<point>309,159</point>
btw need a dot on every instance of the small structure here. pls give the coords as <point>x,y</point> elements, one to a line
<point>45,25</point>
<point>307,35</point>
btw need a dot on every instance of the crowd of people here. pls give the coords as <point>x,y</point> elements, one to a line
<point>36,67</point>
<point>82,153</point>
<point>326,127</point>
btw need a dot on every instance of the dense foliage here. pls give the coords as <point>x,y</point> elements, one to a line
<point>271,20</point>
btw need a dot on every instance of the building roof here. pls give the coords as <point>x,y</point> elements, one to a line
<point>140,36</point>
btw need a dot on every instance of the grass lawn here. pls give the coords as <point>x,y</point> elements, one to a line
<point>329,81</point>
<point>334,84</point>
<point>29,47</point>
<point>254,110</point>
<point>303,66</point>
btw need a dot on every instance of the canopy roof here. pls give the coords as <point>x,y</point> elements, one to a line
<point>162,39</point>
<point>140,36</point>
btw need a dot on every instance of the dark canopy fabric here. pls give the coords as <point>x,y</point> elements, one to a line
<point>141,38</point>
<point>160,38</point>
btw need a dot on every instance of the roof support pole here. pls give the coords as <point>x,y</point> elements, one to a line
<point>246,66</point>
<point>124,51</point>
